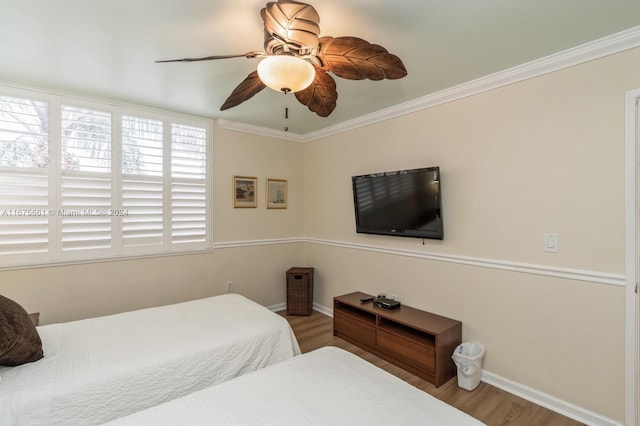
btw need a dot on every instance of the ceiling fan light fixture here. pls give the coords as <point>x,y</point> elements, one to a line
<point>286,73</point>
<point>297,58</point>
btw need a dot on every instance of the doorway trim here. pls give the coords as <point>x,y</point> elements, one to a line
<point>632,252</point>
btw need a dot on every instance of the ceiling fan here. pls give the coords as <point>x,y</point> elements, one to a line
<point>296,59</point>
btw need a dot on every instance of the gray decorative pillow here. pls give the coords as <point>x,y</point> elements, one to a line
<point>19,339</point>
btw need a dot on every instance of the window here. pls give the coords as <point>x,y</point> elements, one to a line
<point>86,183</point>
<point>142,184</point>
<point>188,185</point>
<point>89,181</point>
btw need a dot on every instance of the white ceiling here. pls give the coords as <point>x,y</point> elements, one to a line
<point>107,48</point>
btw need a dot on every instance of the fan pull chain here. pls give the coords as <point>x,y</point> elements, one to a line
<point>286,117</point>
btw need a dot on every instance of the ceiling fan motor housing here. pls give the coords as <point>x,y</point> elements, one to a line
<point>291,27</point>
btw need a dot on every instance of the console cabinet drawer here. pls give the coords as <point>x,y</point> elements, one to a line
<point>418,341</point>
<point>421,356</point>
<point>365,333</point>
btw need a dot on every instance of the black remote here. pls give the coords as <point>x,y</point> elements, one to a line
<point>367,299</point>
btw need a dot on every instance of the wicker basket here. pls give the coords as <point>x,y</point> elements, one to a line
<point>299,291</point>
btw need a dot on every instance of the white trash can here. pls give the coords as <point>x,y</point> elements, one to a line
<point>468,359</point>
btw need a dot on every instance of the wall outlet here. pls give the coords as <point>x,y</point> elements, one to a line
<point>229,286</point>
<point>393,296</point>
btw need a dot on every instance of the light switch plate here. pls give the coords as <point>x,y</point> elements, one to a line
<point>551,242</point>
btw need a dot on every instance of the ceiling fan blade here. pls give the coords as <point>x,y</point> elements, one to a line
<point>245,90</point>
<point>321,96</point>
<point>356,59</point>
<point>247,55</point>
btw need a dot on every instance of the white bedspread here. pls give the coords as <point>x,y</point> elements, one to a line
<point>328,386</point>
<point>100,369</point>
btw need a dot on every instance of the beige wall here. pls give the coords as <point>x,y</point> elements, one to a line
<point>73,292</point>
<point>244,154</point>
<point>65,293</point>
<point>543,155</point>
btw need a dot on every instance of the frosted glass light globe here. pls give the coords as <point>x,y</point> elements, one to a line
<point>285,73</point>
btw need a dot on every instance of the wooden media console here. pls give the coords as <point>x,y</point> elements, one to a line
<point>418,341</point>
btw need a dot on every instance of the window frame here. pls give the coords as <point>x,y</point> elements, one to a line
<point>116,251</point>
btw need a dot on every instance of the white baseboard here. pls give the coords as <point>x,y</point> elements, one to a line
<point>277,308</point>
<point>548,401</point>
<point>532,395</point>
<point>318,307</point>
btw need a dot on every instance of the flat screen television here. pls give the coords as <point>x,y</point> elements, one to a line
<point>405,203</point>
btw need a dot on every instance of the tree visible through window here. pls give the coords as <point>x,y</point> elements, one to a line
<point>24,133</point>
<point>86,140</point>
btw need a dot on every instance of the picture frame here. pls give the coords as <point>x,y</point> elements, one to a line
<point>277,193</point>
<point>245,192</point>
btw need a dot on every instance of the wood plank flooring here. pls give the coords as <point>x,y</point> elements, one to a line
<point>486,403</point>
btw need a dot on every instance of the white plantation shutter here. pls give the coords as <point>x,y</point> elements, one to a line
<point>85,201</point>
<point>188,186</point>
<point>85,214</point>
<point>142,185</point>
<point>24,180</point>
<point>24,215</point>
<point>142,226</point>
<point>105,182</point>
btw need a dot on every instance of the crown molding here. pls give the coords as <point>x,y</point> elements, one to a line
<point>597,49</point>
<point>262,131</point>
<point>19,88</point>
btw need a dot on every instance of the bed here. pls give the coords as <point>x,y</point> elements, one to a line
<point>328,386</point>
<point>99,369</point>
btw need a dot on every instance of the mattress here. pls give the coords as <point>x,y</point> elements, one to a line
<point>99,369</point>
<point>328,386</point>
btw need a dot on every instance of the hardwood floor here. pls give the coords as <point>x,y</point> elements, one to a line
<point>486,403</point>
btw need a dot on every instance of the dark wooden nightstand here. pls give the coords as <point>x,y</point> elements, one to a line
<point>35,318</point>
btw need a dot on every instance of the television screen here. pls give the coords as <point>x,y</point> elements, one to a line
<point>405,203</point>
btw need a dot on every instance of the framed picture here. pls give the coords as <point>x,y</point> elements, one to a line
<point>245,192</point>
<point>276,194</point>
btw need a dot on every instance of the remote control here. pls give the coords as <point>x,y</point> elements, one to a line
<point>367,299</point>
